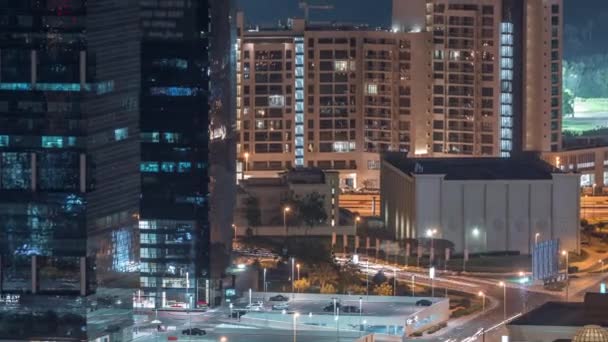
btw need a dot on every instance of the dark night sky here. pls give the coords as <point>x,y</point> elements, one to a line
<point>586,20</point>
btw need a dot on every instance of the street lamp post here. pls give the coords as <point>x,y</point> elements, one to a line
<point>395,281</point>
<point>413,285</point>
<point>601,261</point>
<point>565,253</point>
<point>292,276</point>
<point>360,312</point>
<point>483,301</point>
<point>357,219</point>
<point>295,327</point>
<point>246,155</point>
<point>285,211</point>
<point>298,267</point>
<point>504,298</point>
<point>367,278</point>
<point>264,286</point>
<point>524,281</point>
<point>431,233</point>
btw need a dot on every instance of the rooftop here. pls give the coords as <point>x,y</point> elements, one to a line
<point>591,312</point>
<point>528,167</point>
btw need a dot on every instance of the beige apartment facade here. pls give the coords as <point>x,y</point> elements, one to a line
<point>446,80</point>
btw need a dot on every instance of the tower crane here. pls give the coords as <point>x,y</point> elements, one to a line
<point>307,7</point>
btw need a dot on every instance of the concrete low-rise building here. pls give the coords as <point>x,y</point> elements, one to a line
<point>563,321</point>
<point>271,193</point>
<point>480,204</point>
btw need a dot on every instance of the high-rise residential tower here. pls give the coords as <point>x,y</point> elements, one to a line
<point>449,78</point>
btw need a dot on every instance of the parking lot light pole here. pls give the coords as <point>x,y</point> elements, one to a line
<point>565,253</point>
<point>264,286</point>
<point>483,301</point>
<point>504,298</point>
<point>292,271</point>
<point>295,325</point>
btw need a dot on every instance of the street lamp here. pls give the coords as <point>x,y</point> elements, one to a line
<point>602,267</point>
<point>360,311</point>
<point>223,339</point>
<point>524,280</point>
<point>504,298</point>
<point>483,301</point>
<point>431,233</point>
<point>285,211</point>
<point>246,155</point>
<point>564,253</point>
<point>536,236</point>
<point>292,288</point>
<point>295,328</point>
<point>413,285</point>
<point>357,219</point>
<point>264,286</point>
<point>298,267</point>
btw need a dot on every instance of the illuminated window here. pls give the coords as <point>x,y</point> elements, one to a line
<point>183,167</point>
<point>276,101</point>
<point>341,66</point>
<point>168,167</point>
<point>52,142</point>
<point>171,138</point>
<point>121,134</point>
<point>150,137</point>
<point>372,89</point>
<point>147,166</point>
<point>3,140</point>
<point>174,91</point>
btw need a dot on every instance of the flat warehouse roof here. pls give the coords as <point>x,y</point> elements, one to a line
<point>525,167</point>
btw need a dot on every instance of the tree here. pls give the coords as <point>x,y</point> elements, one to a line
<point>349,279</point>
<point>568,103</point>
<point>354,289</point>
<point>383,289</point>
<point>252,211</point>
<point>379,278</point>
<point>311,209</point>
<point>301,285</point>
<point>328,288</point>
<point>323,274</point>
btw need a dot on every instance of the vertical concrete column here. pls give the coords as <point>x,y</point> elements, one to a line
<point>34,274</point>
<point>33,67</point>
<point>83,276</point>
<point>83,173</point>
<point>34,179</point>
<point>83,69</point>
<point>599,170</point>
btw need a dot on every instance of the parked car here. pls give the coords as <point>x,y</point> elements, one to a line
<point>280,306</point>
<point>254,307</point>
<point>424,302</point>
<point>330,307</point>
<point>194,331</point>
<point>279,298</point>
<point>349,308</point>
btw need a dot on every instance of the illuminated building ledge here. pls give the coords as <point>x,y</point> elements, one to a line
<point>99,88</point>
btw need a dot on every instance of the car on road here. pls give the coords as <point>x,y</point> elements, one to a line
<point>279,298</point>
<point>255,307</point>
<point>424,302</point>
<point>280,306</point>
<point>194,331</point>
<point>330,307</point>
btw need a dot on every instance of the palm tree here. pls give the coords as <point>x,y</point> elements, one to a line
<point>323,274</point>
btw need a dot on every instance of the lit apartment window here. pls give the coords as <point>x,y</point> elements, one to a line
<point>372,89</point>
<point>341,66</point>
<point>121,133</point>
<point>276,101</point>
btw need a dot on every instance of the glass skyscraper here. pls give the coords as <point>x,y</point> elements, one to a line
<point>110,112</point>
<point>69,168</point>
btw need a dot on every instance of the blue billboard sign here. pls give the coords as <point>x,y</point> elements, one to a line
<point>545,260</point>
